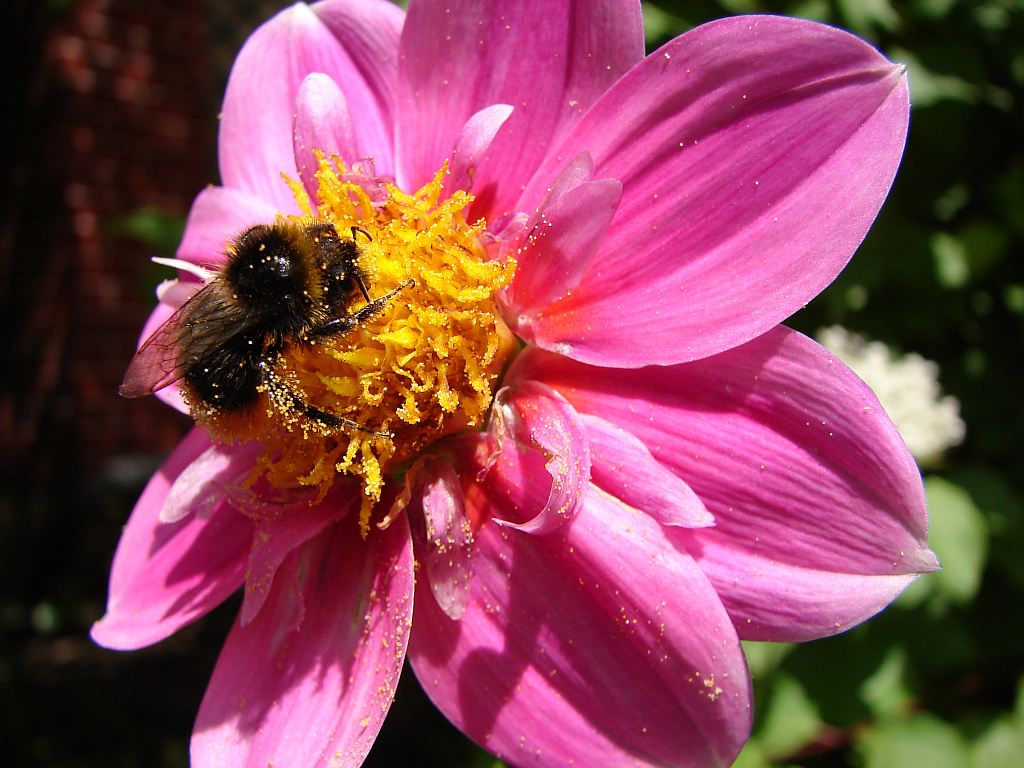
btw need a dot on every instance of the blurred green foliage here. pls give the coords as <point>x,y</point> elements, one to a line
<point>935,681</point>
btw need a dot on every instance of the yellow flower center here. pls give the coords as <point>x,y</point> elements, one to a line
<point>423,367</point>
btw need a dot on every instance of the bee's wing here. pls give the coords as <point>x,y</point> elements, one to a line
<point>158,363</point>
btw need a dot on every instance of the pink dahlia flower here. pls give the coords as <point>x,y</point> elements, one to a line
<point>588,460</point>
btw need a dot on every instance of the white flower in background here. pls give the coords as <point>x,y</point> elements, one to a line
<point>908,388</point>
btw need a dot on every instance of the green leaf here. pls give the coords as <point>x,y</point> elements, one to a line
<point>959,536</point>
<point>791,720</point>
<point>935,9</point>
<point>660,25</point>
<point>862,15</point>
<point>951,265</point>
<point>930,87</point>
<point>1001,746</point>
<point>833,669</point>
<point>764,658</point>
<point>1000,500</point>
<point>1018,707</point>
<point>157,229</point>
<point>885,692</point>
<point>752,756</point>
<point>924,741</point>
<point>986,245</point>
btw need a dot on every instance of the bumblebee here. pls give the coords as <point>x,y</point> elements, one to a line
<point>284,284</point>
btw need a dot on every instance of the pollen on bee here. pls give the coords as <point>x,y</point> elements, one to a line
<point>425,365</point>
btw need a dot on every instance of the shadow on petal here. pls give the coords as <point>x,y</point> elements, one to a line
<point>288,695</point>
<point>597,645</point>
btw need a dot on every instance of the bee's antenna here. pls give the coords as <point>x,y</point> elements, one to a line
<point>355,271</point>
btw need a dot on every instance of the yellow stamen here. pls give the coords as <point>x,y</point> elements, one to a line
<point>424,367</point>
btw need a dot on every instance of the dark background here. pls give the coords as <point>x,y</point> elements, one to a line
<point>110,131</point>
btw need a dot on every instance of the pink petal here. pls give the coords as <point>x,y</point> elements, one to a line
<point>315,695</point>
<point>323,122</point>
<point>793,455</point>
<point>369,31</point>
<point>754,154</point>
<point>217,216</point>
<point>276,537</point>
<point>622,466</point>
<point>600,645</point>
<point>549,61</point>
<point>561,240</point>
<point>255,141</point>
<point>534,424</point>
<point>199,489</point>
<point>161,314</point>
<point>773,600</point>
<point>472,142</point>
<point>166,575</point>
<point>442,535</point>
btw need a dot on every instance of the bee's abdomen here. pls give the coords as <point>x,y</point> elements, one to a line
<point>226,380</point>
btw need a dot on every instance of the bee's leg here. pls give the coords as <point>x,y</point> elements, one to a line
<point>363,231</point>
<point>349,322</point>
<point>332,420</point>
<point>284,396</point>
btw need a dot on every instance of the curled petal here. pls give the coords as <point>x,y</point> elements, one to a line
<point>472,142</point>
<point>322,122</point>
<point>442,534</point>
<point>167,575</point>
<point>255,143</point>
<point>562,238</point>
<point>276,536</point>
<point>533,424</point>
<point>255,139</point>
<point>622,466</point>
<point>796,460</point>
<point>174,293</point>
<point>199,489</point>
<point>754,153</point>
<point>600,645</point>
<point>575,174</point>
<point>368,31</point>
<point>309,681</point>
